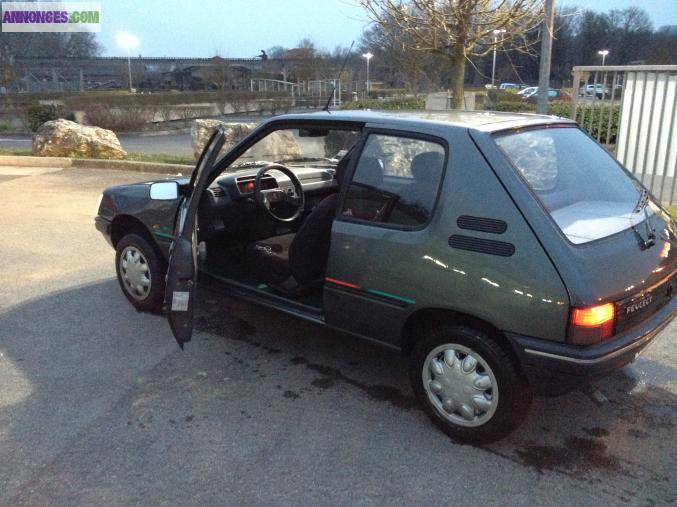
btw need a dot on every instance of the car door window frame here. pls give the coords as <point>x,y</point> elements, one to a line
<point>362,142</point>
<point>271,126</point>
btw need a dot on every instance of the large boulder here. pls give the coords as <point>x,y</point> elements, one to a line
<point>64,138</point>
<point>201,131</point>
<point>276,146</point>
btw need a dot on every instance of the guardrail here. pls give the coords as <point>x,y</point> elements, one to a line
<point>321,88</point>
<point>633,109</point>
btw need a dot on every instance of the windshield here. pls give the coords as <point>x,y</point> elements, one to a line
<point>317,147</point>
<point>584,189</point>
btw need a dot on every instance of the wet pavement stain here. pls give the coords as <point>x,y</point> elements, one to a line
<point>376,392</point>
<point>219,325</point>
<point>323,383</point>
<point>596,432</point>
<point>245,327</point>
<point>655,408</point>
<point>577,454</point>
<point>291,395</point>
<point>634,432</point>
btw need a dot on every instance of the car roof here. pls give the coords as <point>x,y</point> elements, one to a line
<point>485,121</point>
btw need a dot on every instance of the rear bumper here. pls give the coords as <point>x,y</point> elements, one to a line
<point>103,225</point>
<point>555,367</point>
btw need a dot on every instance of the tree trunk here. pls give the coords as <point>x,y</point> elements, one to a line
<point>458,75</point>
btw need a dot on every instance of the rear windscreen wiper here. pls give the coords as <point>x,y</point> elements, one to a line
<point>641,205</point>
<point>642,201</point>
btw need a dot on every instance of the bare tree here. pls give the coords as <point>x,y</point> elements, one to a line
<point>457,30</point>
<point>394,60</point>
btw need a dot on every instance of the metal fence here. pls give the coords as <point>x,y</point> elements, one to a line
<point>316,89</point>
<point>632,109</point>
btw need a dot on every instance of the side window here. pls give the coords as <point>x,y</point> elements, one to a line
<point>396,181</point>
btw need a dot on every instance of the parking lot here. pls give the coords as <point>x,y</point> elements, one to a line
<point>98,404</point>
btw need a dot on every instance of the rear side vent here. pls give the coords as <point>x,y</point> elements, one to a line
<point>482,224</point>
<point>217,191</point>
<point>485,246</point>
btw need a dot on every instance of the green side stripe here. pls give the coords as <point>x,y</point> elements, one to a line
<point>163,234</point>
<point>392,296</point>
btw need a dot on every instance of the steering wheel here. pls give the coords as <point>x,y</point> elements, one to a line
<point>267,197</point>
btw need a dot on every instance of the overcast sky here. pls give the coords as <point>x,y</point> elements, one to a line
<point>241,28</point>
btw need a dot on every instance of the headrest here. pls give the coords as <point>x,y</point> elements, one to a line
<point>342,166</point>
<point>427,167</point>
<point>369,172</point>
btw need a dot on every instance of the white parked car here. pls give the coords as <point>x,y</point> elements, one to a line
<point>527,91</point>
<point>598,90</point>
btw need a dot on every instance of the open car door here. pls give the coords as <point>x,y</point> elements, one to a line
<point>182,271</point>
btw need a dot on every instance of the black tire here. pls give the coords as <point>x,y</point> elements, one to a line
<point>514,395</point>
<point>153,299</point>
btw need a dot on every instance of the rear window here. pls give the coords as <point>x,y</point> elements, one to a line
<point>584,189</point>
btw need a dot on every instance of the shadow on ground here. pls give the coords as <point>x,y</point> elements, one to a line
<point>261,407</point>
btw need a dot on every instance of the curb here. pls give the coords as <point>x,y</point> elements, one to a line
<point>154,133</point>
<point>92,163</point>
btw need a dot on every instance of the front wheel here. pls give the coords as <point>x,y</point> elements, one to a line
<point>468,384</point>
<point>141,273</point>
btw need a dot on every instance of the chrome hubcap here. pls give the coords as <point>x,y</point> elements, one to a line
<point>135,273</point>
<point>460,385</point>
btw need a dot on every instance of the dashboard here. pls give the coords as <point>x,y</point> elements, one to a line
<point>240,185</point>
<point>228,205</point>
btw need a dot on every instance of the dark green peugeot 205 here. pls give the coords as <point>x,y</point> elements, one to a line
<point>503,254</point>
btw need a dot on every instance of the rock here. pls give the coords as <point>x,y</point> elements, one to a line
<point>202,130</point>
<point>64,138</point>
<point>276,146</point>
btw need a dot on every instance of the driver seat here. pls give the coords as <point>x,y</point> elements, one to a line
<point>293,263</point>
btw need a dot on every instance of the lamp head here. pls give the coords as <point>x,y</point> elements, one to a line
<point>126,40</point>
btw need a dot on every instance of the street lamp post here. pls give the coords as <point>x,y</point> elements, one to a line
<point>603,52</point>
<point>127,41</point>
<point>493,66</point>
<point>368,56</point>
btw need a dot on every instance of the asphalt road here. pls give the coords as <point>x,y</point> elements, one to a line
<point>170,144</point>
<point>99,406</point>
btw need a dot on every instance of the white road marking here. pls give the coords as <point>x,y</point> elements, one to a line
<point>15,140</point>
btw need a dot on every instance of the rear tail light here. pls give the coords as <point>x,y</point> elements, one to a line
<point>592,324</point>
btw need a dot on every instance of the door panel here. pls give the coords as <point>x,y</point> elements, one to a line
<point>382,232</point>
<point>182,269</point>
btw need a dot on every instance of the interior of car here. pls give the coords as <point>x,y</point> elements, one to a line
<point>265,222</point>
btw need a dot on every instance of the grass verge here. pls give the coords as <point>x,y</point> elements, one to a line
<point>161,158</point>
<point>16,151</point>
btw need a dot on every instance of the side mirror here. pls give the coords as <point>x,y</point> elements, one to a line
<point>164,191</point>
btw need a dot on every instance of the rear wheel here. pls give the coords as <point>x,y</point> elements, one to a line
<point>140,272</point>
<point>468,384</point>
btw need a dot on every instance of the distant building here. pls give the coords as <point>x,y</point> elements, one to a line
<point>101,73</point>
